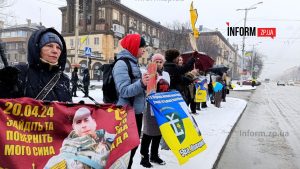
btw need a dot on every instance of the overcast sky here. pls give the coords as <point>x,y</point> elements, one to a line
<point>281,53</point>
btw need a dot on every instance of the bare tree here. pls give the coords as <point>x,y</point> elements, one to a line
<point>206,44</point>
<point>178,37</point>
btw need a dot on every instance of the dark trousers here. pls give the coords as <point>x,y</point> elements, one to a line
<point>139,122</point>
<point>146,140</point>
<point>193,106</point>
<point>74,89</point>
<point>218,99</point>
<point>224,94</point>
<point>86,90</point>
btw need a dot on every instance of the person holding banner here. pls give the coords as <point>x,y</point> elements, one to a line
<point>151,132</point>
<point>42,78</point>
<point>85,147</point>
<point>131,92</point>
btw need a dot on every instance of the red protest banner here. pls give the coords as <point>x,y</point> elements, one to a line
<point>57,135</point>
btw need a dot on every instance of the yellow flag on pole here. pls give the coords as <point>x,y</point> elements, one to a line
<point>83,39</point>
<point>194,17</point>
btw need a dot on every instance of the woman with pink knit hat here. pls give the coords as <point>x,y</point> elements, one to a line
<point>151,132</point>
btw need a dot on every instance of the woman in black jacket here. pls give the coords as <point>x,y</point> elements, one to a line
<point>46,58</point>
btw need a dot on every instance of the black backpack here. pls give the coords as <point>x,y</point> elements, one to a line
<point>110,94</point>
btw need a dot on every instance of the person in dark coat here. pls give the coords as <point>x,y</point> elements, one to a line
<point>74,81</point>
<point>46,58</point>
<point>86,82</point>
<point>175,71</point>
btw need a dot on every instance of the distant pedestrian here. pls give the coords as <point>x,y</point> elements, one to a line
<point>218,92</point>
<point>86,82</point>
<point>74,81</point>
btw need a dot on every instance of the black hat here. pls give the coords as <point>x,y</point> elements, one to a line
<point>171,54</point>
<point>142,43</point>
<point>50,37</point>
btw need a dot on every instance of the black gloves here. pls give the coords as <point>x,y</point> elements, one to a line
<point>9,82</point>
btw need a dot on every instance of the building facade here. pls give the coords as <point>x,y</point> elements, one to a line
<point>102,23</point>
<point>217,46</point>
<point>15,39</point>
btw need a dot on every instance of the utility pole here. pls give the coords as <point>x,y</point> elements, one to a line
<point>245,20</point>
<point>252,60</point>
<point>76,30</point>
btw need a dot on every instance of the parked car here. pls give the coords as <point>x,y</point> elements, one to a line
<point>291,83</point>
<point>280,83</point>
<point>249,82</point>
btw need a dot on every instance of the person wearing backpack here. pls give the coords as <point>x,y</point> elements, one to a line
<point>46,58</point>
<point>131,91</point>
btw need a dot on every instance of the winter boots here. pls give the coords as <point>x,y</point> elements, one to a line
<point>157,160</point>
<point>145,162</point>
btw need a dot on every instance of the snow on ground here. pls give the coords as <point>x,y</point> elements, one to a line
<point>215,125</point>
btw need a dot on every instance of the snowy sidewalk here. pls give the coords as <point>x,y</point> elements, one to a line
<point>215,125</point>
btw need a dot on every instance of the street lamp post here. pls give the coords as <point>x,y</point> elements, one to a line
<point>253,56</point>
<point>245,20</point>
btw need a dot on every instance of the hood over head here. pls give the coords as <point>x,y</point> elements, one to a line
<point>34,47</point>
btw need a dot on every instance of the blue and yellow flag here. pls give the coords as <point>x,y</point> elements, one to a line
<point>194,17</point>
<point>178,129</point>
<point>201,94</point>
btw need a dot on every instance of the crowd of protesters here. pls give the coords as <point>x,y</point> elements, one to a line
<point>196,87</point>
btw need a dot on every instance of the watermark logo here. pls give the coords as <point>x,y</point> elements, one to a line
<point>250,133</point>
<point>250,31</point>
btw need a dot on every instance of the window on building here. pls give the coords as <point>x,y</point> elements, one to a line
<point>21,34</point>
<point>101,13</point>
<point>131,22</point>
<point>143,27</point>
<point>149,30</point>
<point>137,25</point>
<point>124,20</point>
<point>96,41</point>
<point>16,57</point>
<point>154,32</point>
<point>87,41</point>
<point>116,42</point>
<point>116,15</point>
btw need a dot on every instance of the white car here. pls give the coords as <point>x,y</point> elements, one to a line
<point>291,83</point>
<point>280,83</point>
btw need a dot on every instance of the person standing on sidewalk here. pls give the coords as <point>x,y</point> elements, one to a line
<point>47,56</point>
<point>151,132</point>
<point>177,72</point>
<point>74,81</point>
<point>131,92</point>
<point>86,82</point>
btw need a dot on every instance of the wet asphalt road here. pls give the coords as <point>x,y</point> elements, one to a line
<point>268,134</point>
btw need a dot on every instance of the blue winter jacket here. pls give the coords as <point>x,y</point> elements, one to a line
<point>128,90</point>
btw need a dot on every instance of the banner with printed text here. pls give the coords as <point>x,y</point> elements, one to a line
<point>54,135</point>
<point>176,125</point>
